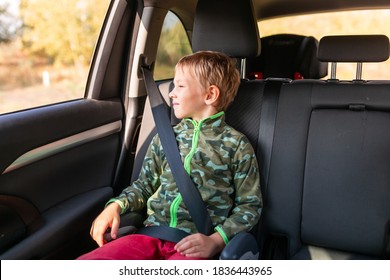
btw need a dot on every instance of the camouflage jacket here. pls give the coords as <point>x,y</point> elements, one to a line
<point>221,163</point>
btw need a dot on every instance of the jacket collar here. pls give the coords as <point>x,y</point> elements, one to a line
<point>214,121</point>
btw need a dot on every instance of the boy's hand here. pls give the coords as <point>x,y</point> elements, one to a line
<point>108,218</point>
<point>200,246</point>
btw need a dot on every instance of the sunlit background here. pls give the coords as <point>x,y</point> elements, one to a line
<point>45,50</point>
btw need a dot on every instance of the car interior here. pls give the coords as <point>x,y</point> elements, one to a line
<point>288,56</point>
<point>321,142</point>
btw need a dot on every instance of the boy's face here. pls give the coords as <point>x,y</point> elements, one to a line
<point>189,97</point>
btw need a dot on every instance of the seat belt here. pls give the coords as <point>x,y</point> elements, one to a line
<point>273,247</point>
<point>267,127</point>
<point>189,192</point>
<point>164,232</point>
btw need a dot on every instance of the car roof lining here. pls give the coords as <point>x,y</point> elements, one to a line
<point>267,9</point>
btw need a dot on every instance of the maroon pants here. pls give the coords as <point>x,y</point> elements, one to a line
<point>136,247</point>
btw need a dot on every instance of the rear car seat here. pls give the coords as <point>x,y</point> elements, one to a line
<point>287,56</point>
<point>329,184</point>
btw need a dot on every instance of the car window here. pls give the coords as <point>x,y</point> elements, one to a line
<point>45,50</point>
<point>337,23</point>
<point>173,44</point>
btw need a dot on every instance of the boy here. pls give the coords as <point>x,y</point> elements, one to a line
<point>219,159</point>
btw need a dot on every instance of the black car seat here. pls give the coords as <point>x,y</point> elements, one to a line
<point>329,185</point>
<point>287,56</point>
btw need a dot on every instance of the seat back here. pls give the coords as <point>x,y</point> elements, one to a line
<point>329,184</point>
<point>235,34</point>
<point>287,56</point>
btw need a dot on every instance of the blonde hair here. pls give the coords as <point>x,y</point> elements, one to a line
<point>214,68</point>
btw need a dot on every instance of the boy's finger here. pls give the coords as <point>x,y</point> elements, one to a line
<point>114,229</point>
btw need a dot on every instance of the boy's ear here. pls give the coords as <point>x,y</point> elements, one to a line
<point>212,95</point>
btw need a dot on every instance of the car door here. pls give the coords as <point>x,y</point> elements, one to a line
<point>59,163</point>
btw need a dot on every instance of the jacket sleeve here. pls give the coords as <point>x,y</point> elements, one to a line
<point>135,196</point>
<point>248,199</point>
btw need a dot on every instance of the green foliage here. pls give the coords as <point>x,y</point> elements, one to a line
<point>64,31</point>
<point>173,44</point>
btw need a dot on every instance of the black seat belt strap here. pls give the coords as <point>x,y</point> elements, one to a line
<point>267,127</point>
<point>273,247</point>
<point>163,232</point>
<point>190,194</point>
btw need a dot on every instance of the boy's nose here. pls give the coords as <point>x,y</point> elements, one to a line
<point>171,94</point>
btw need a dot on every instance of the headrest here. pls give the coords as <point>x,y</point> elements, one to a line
<point>287,56</point>
<point>354,48</point>
<point>227,26</point>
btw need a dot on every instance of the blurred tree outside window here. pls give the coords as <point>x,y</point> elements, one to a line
<point>45,50</point>
<point>173,45</point>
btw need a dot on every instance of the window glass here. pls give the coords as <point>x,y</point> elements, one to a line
<point>173,44</point>
<point>340,23</point>
<point>45,50</point>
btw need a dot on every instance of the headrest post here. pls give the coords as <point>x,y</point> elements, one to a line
<point>359,68</point>
<point>333,69</point>
<point>243,68</point>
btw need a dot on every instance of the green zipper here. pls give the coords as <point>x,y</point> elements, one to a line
<point>195,138</point>
<point>187,166</point>
<point>176,202</point>
<point>174,207</point>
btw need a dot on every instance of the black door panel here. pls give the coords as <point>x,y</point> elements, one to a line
<point>59,160</point>
<point>13,227</point>
<point>61,224</point>
<point>23,131</point>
